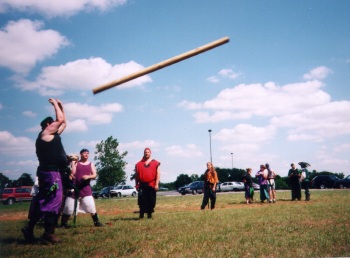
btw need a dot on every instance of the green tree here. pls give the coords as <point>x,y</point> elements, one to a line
<point>229,174</point>
<point>181,180</point>
<point>110,163</point>
<point>194,177</point>
<point>4,181</point>
<point>25,179</point>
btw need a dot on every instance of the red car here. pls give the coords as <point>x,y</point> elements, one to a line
<point>16,194</point>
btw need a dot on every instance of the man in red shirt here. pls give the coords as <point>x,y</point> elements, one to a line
<point>147,183</point>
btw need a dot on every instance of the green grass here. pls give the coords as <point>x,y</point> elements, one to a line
<point>318,228</point>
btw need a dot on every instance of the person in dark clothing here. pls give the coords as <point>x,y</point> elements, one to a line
<point>210,182</point>
<point>52,161</point>
<point>147,182</point>
<point>304,179</point>
<point>294,176</point>
<point>248,186</point>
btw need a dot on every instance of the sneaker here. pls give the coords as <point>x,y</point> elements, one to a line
<point>28,236</point>
<point>274,200</point>
<point>98,224</point>
<point>51,238</point>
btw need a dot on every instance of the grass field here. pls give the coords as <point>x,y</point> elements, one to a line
<point>319,228</point>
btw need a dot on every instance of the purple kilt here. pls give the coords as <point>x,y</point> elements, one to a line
<point>49,197</point>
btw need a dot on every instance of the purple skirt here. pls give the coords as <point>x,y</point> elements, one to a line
<point>49,197</point>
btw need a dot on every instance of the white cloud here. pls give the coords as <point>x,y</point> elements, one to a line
<point>263,100</point>
<point>317,123</point>
<point>58,8</point>
<point>88,144</point>
<point>24,163</point>
<point>83,74</point>
<point>140,145</point>
<point>92,114</point>
<point>78,125</point>
<point>245,134</point>
<point>11,145</point>
<point>342,147</point>
<point>318,73</point>
<point>29,113</point>
<point>189,151</point>
<point>24,43</point>
<point>229,73</point>
<point>224,73</point>
<point>213,79</point>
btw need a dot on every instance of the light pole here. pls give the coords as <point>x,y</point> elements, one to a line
<point>211,158</point>
<point>232,159</point>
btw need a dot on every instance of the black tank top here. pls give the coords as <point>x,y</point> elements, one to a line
<point>51,153</point>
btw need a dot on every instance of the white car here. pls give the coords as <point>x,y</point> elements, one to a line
<point>231,186</point>
<point>123,190</point>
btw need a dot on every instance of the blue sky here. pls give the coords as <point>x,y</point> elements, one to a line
<point>278,92</point>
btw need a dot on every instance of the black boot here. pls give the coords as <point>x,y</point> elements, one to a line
<point>49,225</point>
<point>64,220</point>
<point>28,235</point>
<point>97,223</point>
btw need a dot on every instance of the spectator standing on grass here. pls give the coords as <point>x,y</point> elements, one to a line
<point>52,162</point>
<point>271,184</point>
<point>210,182</point>
<point>83,172</point>
<point>248,186</point>
<point>304,179</point>
<point>147,176</point>
<point>294,178</point>
<point>262,180</point>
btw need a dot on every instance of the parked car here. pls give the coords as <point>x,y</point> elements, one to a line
<point>256,186</point>
<point>218,189</point>
<point>193,188</point>
<point>105,192</point>
<point>96,194</point>
<point>343,183</point>
<point>15,194</point>
<point>324,181</point>
<point>163,189</point>
<point>231,186</point>
<point>123,190</point>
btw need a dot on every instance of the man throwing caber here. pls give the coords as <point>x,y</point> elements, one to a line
<point>147,183</point>
<point>52,162</point>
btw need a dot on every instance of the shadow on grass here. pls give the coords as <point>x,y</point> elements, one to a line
<point>126,219</point>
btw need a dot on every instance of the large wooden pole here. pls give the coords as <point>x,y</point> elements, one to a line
<point>162,64</point>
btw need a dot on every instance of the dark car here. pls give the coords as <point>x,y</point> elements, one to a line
<point>16,194</point>
<point>96,194</point>
<point>192,188</point>
<point>324,181</point>
<point>343,183</point>
<point>105,192</point>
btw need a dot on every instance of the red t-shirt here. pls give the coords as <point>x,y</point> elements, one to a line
<point>147,173</point>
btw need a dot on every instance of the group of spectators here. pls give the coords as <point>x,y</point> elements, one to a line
<point>266,179</point>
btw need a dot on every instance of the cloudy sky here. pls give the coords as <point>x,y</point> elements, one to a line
<point>278,92</point>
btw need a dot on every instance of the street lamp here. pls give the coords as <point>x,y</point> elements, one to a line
<point>211,158</point>
<point>232,160</point>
